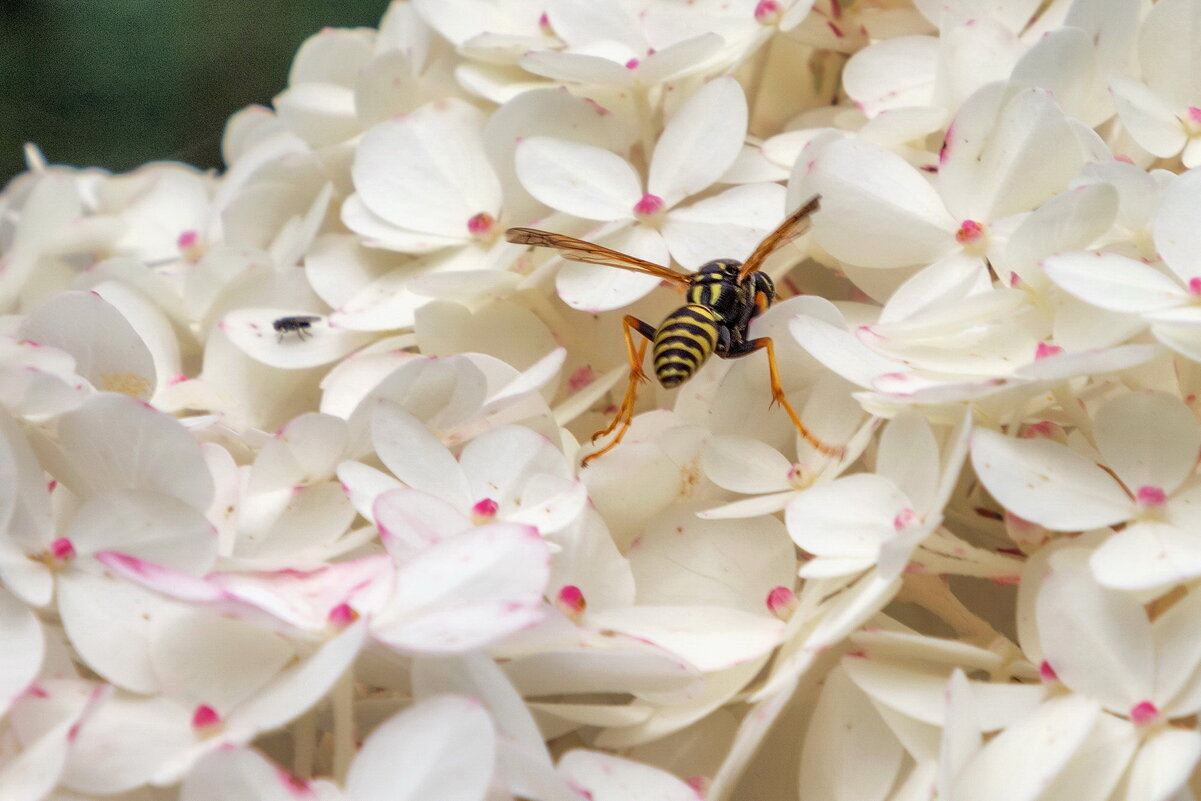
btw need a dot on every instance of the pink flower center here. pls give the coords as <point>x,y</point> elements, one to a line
<point>1143,713</point>
<point>648,206</point>
<point>969,232</point>
<point>904,519</point>
<point>632,64</point>
<point>699,784</point>
<point>571,601</point>
<point>62,549</point>
<point>342,615</point>
<point>481,224</point>
<point>1047,672</point>
<point>187,239</point>
<point>1194,286</point>
<point>1194,114</point>
<point>767,12</point>
<point>205,717</point>
<point>189,245</point>
<point>1151,496</point>
<point>580,378</point>
<point>1043,429</point>
<point>781,602</point>
<point>1044,350</point>
<point>484,511</point>
<point>544,22</point>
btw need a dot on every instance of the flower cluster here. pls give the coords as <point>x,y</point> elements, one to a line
<point>291,496</point>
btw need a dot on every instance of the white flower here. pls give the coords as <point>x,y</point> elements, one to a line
<point>1150,442</point>
<point>701,140</point>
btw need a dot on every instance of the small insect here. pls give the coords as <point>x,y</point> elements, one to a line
<point>722,298</point>
<point>301,324</point>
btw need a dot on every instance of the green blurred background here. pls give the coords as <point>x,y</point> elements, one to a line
<point>117,83</point>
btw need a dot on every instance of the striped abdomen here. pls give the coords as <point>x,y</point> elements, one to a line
<point>683,343</point>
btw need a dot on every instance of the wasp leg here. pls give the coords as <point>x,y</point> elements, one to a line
<point>777,394</point>
<point>625,412</point>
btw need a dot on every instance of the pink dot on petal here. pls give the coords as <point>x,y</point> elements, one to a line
<point>781,602</point>
<point>1047,672</point>
<point>1151,496</point>
<point>648,205</point>
<point>767,12</point>
<point>187,239</point>
<point>904,519</point>
<point>698,783</point>
<point>1194,114</point>
<point>969,231</point>
<point>1194,286</point>
<point>481,224</point>
<point>581,377</point>
<point>1143,713</point>
<point>1045,349</point>
<point>571,601</point>
<point>62,549</point>
<point>632,64</point>
<point>343,615</point>
<point>205,717</point>
<point>484,511</point>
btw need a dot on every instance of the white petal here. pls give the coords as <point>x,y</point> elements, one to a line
<point>1148,439</point>
<point>33,774</point>
<point>149,525</point>
<point>97,611</point>
<point>22,657</point>
<point>1042,744</point>
<point>726,225</point>
<point>1029,155</point>
<point>410,520</point>
<point>849,517</point>
<point>603,777</point>
<point>375,231</point>
<point>898,218</point>
<point>1177,656</point>
<point>682,560</point>
<point>238,774</point>
<point>679,59</point>
<point>973,51</point>
<point>844,734</point>
<point>709,637</point>
<point>594,288</point>
<point>1168,47</point>
<point>442,748</point>
<point>428,171</point>
<point>908,457</point>
<point>254,332</point>
<point>589,560</point>
<point>417,457</point>
<point>202,658</point>
<point>1045,482</point>
<point>1098,764</point>
<point>742,464</point>
<point>842,352</point>
<point>1175,238</point>
<point>1147,555</point>
<point>300,686</point>
<point>1114,282</point>
<point>700,141</point>
<point>1150,121</point>
<point>115,442</point>
<point>1098,641</point>
<point>579,179</point>
<point>893,73</point>
<point>363,484</point>
<point>1064,62</point>
<point>1070,221</point>
<point>468,591</point>
<point>1164,764</point>
<point>107,349</point>
<point>576,68</point>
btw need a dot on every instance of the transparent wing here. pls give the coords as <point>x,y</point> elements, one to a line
<point>796,224</point>
<point>579,250</point>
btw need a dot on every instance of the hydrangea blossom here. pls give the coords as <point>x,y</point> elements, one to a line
<point>357,559</point>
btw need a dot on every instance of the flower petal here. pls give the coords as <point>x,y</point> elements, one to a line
<point>699,142</point>
<point>1047,483</point>
<point>1149,439</point>
<point>581,180</point>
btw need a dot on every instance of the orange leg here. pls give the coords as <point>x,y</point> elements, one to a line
<point>625,412</point>
<point>777,396</point>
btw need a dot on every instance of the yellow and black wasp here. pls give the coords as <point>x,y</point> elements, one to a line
<point>722,298</point>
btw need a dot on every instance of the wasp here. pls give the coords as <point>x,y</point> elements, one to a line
<point>721,299</point>
<point>301,324</point>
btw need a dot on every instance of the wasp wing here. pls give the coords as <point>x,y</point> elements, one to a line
<point>578,250</point>
<point>796,225</point>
